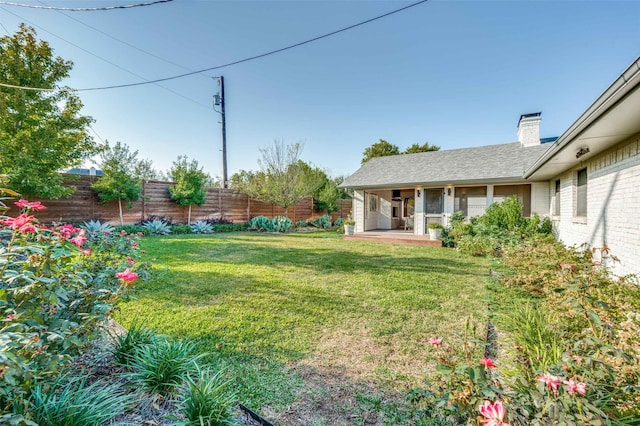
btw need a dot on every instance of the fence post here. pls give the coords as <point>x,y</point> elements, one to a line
<point>144,200</point>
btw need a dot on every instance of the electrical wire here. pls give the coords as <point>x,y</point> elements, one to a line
<point>251,58</point>
<point>121,41</point>
<point>86,9</point>
<point>99,57</point>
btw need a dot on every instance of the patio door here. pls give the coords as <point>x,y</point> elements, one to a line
<point>435,203</point>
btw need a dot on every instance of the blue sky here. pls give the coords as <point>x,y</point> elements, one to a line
<point>454,73</point>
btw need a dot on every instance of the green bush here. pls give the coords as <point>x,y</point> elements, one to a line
<point>75,403</point>
<point>208,399</point>
<point>162,366</point>
<point>157,227</point>
<point>56,286</point>
<point>302,224</point>
<point>322,222</point>
<point>338,222</point>
<point>132,229</point>
<point>181,229</point>
<point>261,223</point>
<point>202,227</point>
<point>281,224</point>
<point>236,227</point>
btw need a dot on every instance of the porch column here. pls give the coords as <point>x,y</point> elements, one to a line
<point>448,206</point>
<point>357,210</point>
<point>489,195</point>
<point>418,213</point>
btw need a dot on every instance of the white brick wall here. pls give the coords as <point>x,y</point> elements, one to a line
<point>613,205</point>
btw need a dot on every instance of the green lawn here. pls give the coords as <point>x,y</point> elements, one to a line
<point>298,316</point>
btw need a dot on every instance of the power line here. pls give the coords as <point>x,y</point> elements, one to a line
<point>251,58</point>
<point>96,56</point>
<point>85,9</point>
<point>121,41</point>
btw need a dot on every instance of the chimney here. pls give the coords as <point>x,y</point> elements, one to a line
<point>529,129</point>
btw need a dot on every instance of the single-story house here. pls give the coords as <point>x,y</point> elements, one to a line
<point>587,180</point>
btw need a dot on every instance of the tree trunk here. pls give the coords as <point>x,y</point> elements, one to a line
<point>189,216</point>
<point>120,210</point>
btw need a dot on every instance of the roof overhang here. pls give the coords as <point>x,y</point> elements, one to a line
<point>611,119</point>
<point>510,181</point>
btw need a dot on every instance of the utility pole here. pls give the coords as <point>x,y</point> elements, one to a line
<point>219,100</point>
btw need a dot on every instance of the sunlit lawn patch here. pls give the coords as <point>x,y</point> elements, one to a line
<point>272,305</point>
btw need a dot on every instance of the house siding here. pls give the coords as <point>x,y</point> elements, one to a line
<point>613,203</point>
<point>358,210</point>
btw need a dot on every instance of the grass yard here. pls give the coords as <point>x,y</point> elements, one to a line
<point>317,330</point>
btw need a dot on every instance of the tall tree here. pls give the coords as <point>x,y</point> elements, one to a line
<point>284,179</point>
<point>41,131</point>
<point>144,170</point>
<point>425,147</point>
<point>119,182</point>
<point>379,149</point>
<point>190,182</point>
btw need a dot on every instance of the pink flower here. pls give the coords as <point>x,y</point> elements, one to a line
<point>127,275</point>
<point>493,414</point>
<point>79,239</point>
<point>550,380</point>
<point>67,230</point>
<point>10,317</point>
<point>130,261</point>
<point>574,387</point>
<point>122,233</point>
<point>87,252</point>
<point>435,341</point>
<point>140,234</point>
<point>487,362</point>
<point>134,244</point>
<point>17,223</point>
<point>35,205</point>
<point>107,233</point>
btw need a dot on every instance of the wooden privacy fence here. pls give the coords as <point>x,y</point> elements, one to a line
<point>155,200</point>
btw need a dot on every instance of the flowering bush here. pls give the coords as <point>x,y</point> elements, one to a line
<point>575,358</point>
<point>55,287</point>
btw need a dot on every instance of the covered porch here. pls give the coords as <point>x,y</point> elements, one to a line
<point>410,211</point>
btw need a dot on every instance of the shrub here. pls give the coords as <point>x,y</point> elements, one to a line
<point>236,227</point>
<point>180,229</point>
<point>76,403</point>
<point>126,345</point>
<point>322,222</point>
<point>338,222</point>
<point>95,228</point>
<point>56,287</point>
<point>132,229</point>
<point>208,399</point>
<point>157,227</point>
<point>162,366</point>
<point>281,224</point>
<point>218,220</point>
<point>261,223</point>
<point>201,227</point>
<point>302,224</point>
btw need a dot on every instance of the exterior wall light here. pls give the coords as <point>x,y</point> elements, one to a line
<point>581,152</point>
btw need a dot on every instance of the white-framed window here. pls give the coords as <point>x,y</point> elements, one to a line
<point>581,193</point>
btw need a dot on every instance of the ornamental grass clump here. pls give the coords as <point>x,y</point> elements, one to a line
<point>74,402</point>
<point>56,286</point>
<point>208,399</point>
<point>162,366</point>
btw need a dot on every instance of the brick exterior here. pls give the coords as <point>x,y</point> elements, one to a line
<point>613,205</point>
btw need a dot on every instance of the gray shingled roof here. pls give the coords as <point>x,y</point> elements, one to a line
<point>506,162</point>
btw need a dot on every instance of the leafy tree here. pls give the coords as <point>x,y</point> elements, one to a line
<point>425,147</point>
<point>284,179</point>
<point>190,182</point>
<point>144,170</point>
<point>327,196</point>
<point>119,182</point>
<point>41,131</point>
<point>379,149</point>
